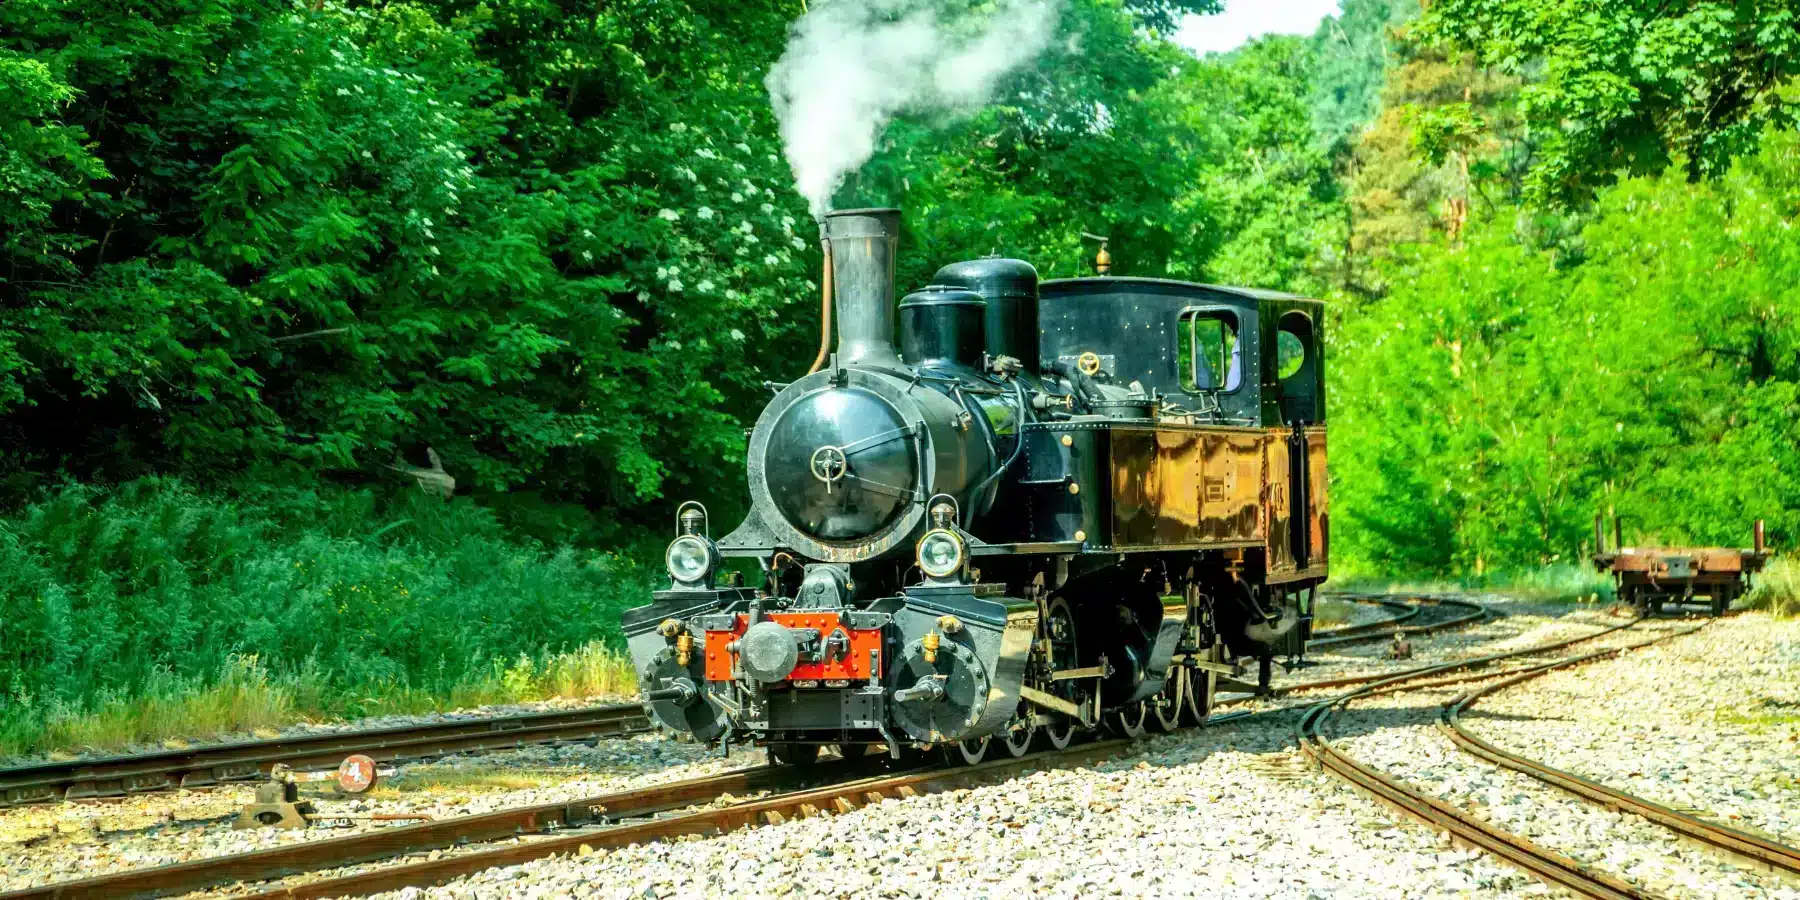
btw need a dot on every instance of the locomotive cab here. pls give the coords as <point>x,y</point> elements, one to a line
<point>1047,509</point>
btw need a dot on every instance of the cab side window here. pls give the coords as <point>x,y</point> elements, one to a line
<point>1208,351</point>
<point>1297,369</point>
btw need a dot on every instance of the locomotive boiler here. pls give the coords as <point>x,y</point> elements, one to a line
<point>1050,508</point>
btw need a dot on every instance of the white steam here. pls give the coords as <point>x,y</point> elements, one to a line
<point>851,65</point>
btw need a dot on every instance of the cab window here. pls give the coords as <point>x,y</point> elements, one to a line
<point>1208,351</point>
<point>1297,369</point>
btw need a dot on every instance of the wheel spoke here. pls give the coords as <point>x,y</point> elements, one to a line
<point>1165,708</point>
<point>1017,739</point>
<point>967,753</point>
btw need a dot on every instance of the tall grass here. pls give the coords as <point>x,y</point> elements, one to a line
<point>1561,582</point>
<point>154,610</point>
<point>1777,588</point>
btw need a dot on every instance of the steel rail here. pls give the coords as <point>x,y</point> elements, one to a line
<point>243,761</point>
<point>1473,612</point>
<point>1750,846</point>
<point>395,841</point>
<point>1403,612</point>
<point>837,798</point>
<point>1545,864</point>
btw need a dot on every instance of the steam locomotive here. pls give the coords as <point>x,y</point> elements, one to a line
<point>1053,508</point>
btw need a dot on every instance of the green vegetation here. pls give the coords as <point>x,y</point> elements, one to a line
<point>155,610</point>
<point>1777,589</point>
<point>1558,583</point>
<point>259,259</point>
<point>1504,394</point>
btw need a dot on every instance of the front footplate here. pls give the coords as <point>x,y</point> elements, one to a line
<point>961,661</point>
<point>667,652</point>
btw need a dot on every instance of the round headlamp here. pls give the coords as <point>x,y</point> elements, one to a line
<point>690,559</point>
<point>941,553</point>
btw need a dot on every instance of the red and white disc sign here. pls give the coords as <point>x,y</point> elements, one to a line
<point>356,774</point>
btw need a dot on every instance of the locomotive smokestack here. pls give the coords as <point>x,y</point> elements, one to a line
<point>864,243</point>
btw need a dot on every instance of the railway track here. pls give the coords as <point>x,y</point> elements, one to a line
<point>248,761</point>
<point>1744,844</point>
<point>709,806</point>
<point>699,806</point>
<point>542,825</point>
<point>399,841</point>
<point>597,822</point>
<point>1545,864</point>
<point>1466,612</point>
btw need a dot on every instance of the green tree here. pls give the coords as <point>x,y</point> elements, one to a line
<point>546,240</point>
<point>1496,399</point>
<point>1354,50</point>
<point>1630,86</point>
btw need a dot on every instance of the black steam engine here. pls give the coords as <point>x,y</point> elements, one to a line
<point>1052,508</point>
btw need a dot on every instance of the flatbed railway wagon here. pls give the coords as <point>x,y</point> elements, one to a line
<point>1649,577</point>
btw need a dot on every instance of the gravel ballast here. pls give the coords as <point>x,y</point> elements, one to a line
<point>1229,811</point>
<point>1233,810</point>
<point>43,844</point>
<point>1709,722</point>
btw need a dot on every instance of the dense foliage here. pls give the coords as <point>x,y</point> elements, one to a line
<point>1631,86</point>
<point>1494,401</point>
<point>361,601</point>
<point>335,235</point>
<point>260,258</point>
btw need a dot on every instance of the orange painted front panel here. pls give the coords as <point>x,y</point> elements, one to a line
<point>854,665</point>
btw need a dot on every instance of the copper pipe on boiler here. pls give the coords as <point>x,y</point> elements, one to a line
<point>824,309</point>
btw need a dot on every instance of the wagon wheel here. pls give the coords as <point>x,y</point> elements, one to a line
<point>1016,739</point>
<point>1197,693</point>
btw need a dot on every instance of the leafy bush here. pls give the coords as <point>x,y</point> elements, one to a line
<point>291,600</point>
<point>1777,589</point>
<point>1559,582</point>
<point>1502,396</point>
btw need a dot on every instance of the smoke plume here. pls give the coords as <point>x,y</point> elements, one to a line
<point>852,65</point>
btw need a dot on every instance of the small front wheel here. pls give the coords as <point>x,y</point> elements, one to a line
<point>1165,707</point>
<point>1059,733</point>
